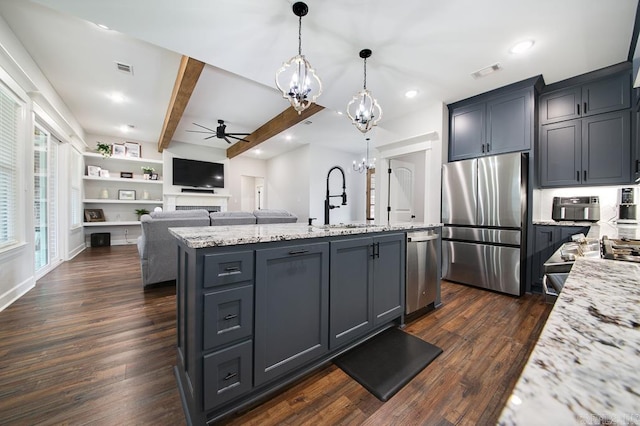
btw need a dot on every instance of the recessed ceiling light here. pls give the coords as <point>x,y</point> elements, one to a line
<point>339,112</point>
<point>411,93</point>
<point>288,137</point>
<point>103,26</point>
<point>257,151</point>
<point>125,128</point>
<point>521,46</point>
<point>116,97</point>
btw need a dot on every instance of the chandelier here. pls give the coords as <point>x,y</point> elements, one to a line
<point>363,110</point>
<point>366,163</point>
<point>296,79</point>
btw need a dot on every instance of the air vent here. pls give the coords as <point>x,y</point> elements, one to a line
<point>128,69</point>
<point>486,71</point>
<point>307,122</point>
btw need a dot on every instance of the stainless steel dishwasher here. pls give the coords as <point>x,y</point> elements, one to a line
<point>422,270</point>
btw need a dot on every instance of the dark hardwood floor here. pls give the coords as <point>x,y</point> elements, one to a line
<point>89,345</point>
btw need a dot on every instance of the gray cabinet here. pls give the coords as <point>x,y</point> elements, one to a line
<point>635,165</point>
<point>599,96</point>
<point>366,285</point>
<point>590,151</point>
<point>291,308</point>
<point>494,123</point>
<point>546,240</point>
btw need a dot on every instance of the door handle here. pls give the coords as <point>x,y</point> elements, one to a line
<point>483,148</point>
<point>301,251</point>
<point>578,175</point>
<point>585,176</point>
<point>578,105</point>
<point>584,110</point>
<point>488,147</point>
<point>637,166</point>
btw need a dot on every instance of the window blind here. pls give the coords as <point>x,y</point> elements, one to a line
<point>75,179</point>
<point>9,121</point>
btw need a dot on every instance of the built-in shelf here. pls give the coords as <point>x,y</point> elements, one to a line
<point>111,201</point>
<point>117,179</point>
<point>134,160</point>
<point>195,194</point>
<point>121,223</point>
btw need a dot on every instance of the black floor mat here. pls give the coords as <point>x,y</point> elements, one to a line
<point>387,362</point>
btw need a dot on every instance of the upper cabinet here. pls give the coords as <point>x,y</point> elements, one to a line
<point>608,94</point>
<point>585,130</point>
<point>497,122</point>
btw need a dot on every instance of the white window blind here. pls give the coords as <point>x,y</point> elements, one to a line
<point>9,121</point>
<point>75,179</point>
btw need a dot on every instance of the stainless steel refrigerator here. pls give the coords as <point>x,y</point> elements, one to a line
<point>484,211</point>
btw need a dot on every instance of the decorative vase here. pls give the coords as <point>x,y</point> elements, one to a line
<point>104,193</point>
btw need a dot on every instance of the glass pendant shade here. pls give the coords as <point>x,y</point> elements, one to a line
<point>296,79</point>
<point>298,82</point>
<point>363,110</point>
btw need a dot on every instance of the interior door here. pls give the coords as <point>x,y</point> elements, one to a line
<point>401,184</point>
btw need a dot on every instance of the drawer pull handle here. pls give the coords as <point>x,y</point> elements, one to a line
<point>230,376</point>
<point>230,317</point>
<point>302,251</point>
<point>232,269</point>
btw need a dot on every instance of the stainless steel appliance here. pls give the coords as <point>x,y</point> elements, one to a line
<point>627,209</point>
<point>576,208</point>
<point>422,270</point>
<point>484,209</point>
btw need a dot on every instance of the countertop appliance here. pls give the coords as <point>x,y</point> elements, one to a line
<point>484,209</point>
<point>576,208</point>
<point>627,209</point>
<point>422,270</point>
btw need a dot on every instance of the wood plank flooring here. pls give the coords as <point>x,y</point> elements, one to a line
<point>89,345</point>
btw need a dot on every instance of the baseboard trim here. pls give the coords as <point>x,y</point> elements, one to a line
<point>76,251</point>
<point>16,292</point>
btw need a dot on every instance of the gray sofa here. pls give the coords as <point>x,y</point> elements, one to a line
<point>157,248</point>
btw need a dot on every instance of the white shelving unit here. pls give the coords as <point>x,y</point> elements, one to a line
<point>102,193</point>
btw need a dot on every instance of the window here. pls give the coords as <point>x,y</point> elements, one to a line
<point>10,113</point>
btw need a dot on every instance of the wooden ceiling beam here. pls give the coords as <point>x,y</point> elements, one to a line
<point>188,75</point>
<point>281,122</point>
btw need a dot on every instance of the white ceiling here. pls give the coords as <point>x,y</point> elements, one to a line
<point>430,46</point>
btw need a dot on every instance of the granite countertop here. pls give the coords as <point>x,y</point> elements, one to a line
<point>585,367</point>
<point>563,223</point>
<point>214,236</point>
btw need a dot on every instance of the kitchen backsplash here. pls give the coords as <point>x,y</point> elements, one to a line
<point>609,198</point>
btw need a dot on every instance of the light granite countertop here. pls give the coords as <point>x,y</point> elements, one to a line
<point>214,236</point>
<point>585,367</point>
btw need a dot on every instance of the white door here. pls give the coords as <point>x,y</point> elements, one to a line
<point>401,182</point>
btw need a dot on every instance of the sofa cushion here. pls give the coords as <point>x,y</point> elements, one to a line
<point>179,214</point>
<point>274,216</point>
<point>232,218</point>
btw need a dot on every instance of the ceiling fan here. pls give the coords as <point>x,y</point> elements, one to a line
<point>220,132</point>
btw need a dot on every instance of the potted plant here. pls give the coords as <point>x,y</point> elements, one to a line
<point>140,212</point>
<point>104,149</point>
<point>146,170</point>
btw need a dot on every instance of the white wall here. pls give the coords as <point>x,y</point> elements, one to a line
<point>287,182</point>
<point>20,72</point>
<point>609,199</point>
<point>242,168</point>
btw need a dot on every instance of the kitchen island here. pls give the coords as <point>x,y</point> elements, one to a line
<point>585,367</point>
<point>259,306</point>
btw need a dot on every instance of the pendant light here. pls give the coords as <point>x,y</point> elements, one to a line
<point>363,110</point>
<point>366,163</point>
<point>296,79</point>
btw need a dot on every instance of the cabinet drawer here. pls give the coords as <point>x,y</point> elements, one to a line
<point>228,316</point>
<point>227,374</point>
<point>228,268</point>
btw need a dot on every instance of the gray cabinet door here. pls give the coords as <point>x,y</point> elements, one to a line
<point>606,149</point>
<point>351,290</point>
<point>467,132</point>
<point>509,123</point>
<point>544,239</point>
<point>560,161</point>
<point>636,146</point>
<point>606,95</point>
<point>388,277</point>
<point>291,308</point>
<point>561,105</point>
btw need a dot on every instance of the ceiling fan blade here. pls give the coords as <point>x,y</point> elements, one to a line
<point>199,125</point>
<point>197,131</point>
<point>240,139</point>
<point>228,141</point>
<point>209,137</point>
<point>238,134</point>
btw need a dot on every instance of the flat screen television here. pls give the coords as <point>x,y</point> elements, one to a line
<point>199,174</point>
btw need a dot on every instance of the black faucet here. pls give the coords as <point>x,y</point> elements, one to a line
<point>328,206</point>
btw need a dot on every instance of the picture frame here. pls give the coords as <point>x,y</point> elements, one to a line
<point>154,176</point>
<point>126,175</point>
<point>126,194</point>
<point>118,150</point>
<point>132,150</point>
<point>94,215</point>
<point>104,173</point>
<point>93,171</point>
